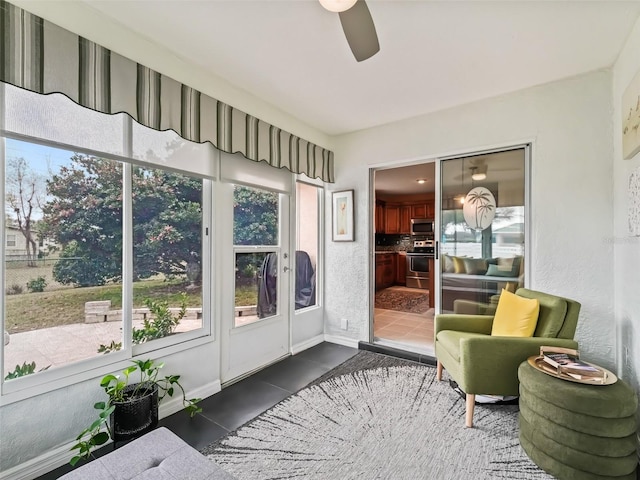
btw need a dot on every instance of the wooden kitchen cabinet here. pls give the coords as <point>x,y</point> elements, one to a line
<point>423,210</point>
<point>385,270</point>
<point>379,269</point>
<point>392,219</point>
<point>419,210</point>
<point>393,215</point>
<point>401,269</point>
<point>405,219</point>
<point>380,217</point>
<point>431,210</point>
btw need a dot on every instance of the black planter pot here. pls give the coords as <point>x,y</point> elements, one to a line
<point>136,416</point>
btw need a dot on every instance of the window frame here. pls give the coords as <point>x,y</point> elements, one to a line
<point>69,374</point>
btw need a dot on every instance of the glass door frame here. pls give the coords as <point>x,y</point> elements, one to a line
<point>527,147</point>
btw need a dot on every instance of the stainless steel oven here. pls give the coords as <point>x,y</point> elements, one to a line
<point>418,270</point>
<point>418,264</point>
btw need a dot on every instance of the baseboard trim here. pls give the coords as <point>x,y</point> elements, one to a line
<point>40,465</point>
<point>61,455</point>
<point>347,342</point>
<point>173,404</point>
<point>312,342</point>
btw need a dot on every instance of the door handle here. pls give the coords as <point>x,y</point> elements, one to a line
<point>286,269</point>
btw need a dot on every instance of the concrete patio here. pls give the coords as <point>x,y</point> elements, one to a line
<point>65,344</point>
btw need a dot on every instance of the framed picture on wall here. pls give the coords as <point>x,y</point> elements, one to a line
<point>342,216</point>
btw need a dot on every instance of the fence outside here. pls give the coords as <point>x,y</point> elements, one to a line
<point>19,272</point>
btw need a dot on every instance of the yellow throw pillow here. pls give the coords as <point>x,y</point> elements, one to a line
<point>458,265</point>
<point>515,316</point>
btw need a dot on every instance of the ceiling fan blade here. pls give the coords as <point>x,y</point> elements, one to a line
<point>360,31</point>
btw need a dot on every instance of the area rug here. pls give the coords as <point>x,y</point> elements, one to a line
<point>402,301</point>
<point>394,421</point>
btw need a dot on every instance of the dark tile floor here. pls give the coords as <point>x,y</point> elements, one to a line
<point>242,401</point>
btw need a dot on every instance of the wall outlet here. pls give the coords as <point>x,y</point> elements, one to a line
<point>344,324</point>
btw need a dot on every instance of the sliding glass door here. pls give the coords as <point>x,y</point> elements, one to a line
<point>482,220</point>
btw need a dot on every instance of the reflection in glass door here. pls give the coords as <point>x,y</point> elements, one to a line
<point>482,230</point>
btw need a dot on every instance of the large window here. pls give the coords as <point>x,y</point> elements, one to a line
<point>106,235</point>
<point>64,301</point>
<point>167,253</point>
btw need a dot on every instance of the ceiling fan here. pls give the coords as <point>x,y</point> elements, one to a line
<point>478,170</point>
<point>357,25</point>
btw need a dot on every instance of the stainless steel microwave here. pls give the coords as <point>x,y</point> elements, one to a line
<point>421,226</point>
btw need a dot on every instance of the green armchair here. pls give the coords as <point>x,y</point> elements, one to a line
<point>488,365</point>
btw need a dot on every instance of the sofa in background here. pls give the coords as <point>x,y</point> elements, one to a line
<point>477,280</point>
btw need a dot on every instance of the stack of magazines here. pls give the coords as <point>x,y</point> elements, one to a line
<point>565,362</point>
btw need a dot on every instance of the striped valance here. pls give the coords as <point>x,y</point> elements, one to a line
<point>45,58</point>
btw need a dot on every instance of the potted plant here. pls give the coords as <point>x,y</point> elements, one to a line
<point>131,408</point>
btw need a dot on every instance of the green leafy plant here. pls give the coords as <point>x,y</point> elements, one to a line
<point>116,389</point>
<point>37,284</point>
<point>112,347</point>
<point>162,321</point>
<point>23,370</point>
<point>160,324</point>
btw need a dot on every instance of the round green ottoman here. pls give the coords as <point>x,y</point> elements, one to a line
<point>577,431</point>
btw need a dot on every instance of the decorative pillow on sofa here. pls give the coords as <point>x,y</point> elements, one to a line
<point>447,264</point>
<point>515,316</point>
<point>458,265</point>
<point>475,266</point>
<point>507,267</point>
<point>494,271</point>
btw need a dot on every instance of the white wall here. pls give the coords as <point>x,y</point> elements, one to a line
<point>569,123</point>
<point>627,251</point>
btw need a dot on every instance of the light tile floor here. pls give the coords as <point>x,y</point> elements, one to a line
<point>404,330</point>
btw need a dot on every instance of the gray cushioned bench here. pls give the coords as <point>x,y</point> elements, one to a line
<point>158,455</point>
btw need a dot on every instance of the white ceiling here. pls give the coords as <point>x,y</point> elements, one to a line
<point>433,54</point>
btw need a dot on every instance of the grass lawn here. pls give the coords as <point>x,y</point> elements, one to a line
<point>33,311</point>
<point>246,295</point>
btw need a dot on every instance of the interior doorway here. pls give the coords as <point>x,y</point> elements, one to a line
<point>449,237</point>
<point>404,297</point>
